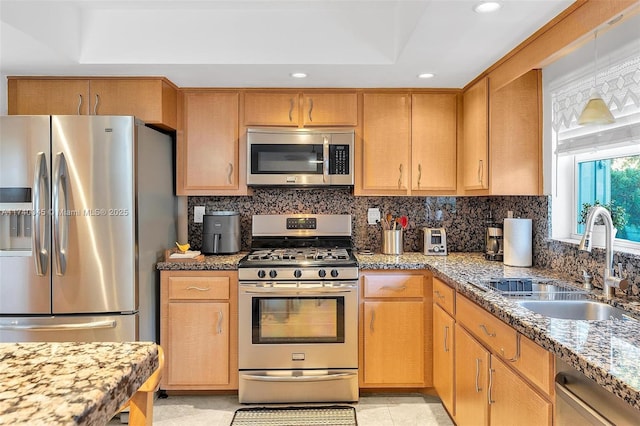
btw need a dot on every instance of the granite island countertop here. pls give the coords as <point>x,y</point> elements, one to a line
<point>70,383</point>
<point>606,351</point>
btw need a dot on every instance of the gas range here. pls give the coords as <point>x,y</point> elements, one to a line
<point>300,247</point>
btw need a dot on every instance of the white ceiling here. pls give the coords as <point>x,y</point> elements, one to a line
<point>241,43</point>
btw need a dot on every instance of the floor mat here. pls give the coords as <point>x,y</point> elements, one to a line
<point>335,415</point>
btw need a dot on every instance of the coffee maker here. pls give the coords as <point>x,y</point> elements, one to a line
<point>494,244</point>
<point>221,232</point>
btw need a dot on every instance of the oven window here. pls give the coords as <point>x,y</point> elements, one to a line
<point>280,158</point>
<point>317,319</point>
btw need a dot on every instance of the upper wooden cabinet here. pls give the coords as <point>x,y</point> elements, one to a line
<point>475,137</point>
<point>385,146</point>
<point>151,99</point>
<point>502,142</point>
<point>300,109</point>
<point>209,159</point>
<point>433,142</point>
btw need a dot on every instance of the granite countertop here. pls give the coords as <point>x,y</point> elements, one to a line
<point>70,383</point>
<point>606,351</point>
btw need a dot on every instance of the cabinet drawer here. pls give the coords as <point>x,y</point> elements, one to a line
<point>444,296</point>
<point>497,335</point>
<point>198,288</point>
<point>536,364</point>
<point>393,286</point>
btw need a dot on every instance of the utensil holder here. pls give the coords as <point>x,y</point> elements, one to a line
<point>392,241</point>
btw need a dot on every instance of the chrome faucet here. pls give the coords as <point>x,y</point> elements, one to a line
<point>610,281</point>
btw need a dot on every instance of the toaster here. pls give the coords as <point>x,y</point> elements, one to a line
<point>435,241</point>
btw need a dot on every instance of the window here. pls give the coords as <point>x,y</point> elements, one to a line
<point>601,162</point>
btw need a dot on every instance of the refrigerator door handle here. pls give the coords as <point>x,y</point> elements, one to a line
<point>40,186</point>
<point>60,232</point>
<point>57,327</point>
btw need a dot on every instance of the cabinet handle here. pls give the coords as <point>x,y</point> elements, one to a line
<point>198,288</point>
<point>517,356</point>
<point>220,318</point>
<point>291,110</point>
<point>484,328</point>
<point>310,109</point>
<point>489,398</point>
<point>79,102</point>
<point>478,362</point>
<point>394,288</point>
<point>438,295</point>
<point>446,337</point>
<point>230,173</point>
<point>373,318</point>
<point>400,178</point>
<point>480,171</point>
<point>95,107</point>
<point>419,174</point>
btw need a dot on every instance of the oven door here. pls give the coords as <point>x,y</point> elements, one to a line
<point>298,325</point>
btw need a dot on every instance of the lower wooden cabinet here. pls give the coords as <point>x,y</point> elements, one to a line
<point>471,383</point>
<point>395,330</point>
<point>198,329</point>
<point>443,361</point>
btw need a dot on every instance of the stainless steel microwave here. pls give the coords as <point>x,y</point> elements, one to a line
<point>300,157</point>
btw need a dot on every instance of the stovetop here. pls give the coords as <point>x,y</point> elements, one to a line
<point>299,254</point>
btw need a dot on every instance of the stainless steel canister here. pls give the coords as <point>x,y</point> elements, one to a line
<point>392,241</point>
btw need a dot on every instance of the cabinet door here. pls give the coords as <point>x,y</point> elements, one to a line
<point>330,109</point>
<point>198,352</point>
<point>513,401</point>
<point>394,343</point>
<point>147,99</point>
<point>516,141</point>
<point>271,109</point>
<point>208,146</point>
<point>386,140</point>
<point>48,97</point>
<point>475,137</point>
<point>433,142</point>
<point>471,366</point>
<point>443,341</point>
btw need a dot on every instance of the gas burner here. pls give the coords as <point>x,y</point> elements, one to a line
<point>299,254</point>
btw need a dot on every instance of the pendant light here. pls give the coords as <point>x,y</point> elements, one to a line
<point>595,111</point>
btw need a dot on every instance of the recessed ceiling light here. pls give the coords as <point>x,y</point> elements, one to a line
<point>487,6</point>
<point>298,75</point>
<point>426,75</point>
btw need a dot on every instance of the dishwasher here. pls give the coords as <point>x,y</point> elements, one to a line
<point>581,401</point>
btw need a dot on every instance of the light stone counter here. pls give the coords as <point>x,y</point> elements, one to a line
<point>70,383</point>
<point>210,263</point>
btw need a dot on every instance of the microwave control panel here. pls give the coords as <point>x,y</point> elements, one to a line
<point>338,159</point>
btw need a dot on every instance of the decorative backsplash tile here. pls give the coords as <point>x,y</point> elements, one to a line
<point>462,217</point>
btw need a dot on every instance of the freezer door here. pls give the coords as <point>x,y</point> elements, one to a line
<point>93,226</point>
<point>96,328</point>
<point>25,246</point>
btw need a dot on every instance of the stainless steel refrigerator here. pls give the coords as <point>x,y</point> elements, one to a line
<point>86,210</point>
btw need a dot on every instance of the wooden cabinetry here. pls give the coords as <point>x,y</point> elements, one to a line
<point>198,329</point>
<point>433,142</point>
<point>385,144</point>
<point>300,109</point>
<point>395,330</point>
<point>443,343</point>
<point>500,374</point>
<point>475,136</point>
<point>502,142</point>
<point>151,99</point>
<point>209,158</point>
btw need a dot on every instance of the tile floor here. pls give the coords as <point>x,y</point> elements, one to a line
<point>372,410</point>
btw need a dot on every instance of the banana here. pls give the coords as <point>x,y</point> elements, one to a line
<point>183,247</point>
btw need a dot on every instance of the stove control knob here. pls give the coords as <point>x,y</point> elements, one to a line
<point>261,273</point>
<point>322,273</point>
<point>297,273</point>
<point>273,273</point>
<point>334,273</point>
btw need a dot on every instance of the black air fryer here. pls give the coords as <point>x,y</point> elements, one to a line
<point>221,233</point>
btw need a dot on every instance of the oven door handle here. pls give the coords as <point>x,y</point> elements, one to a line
<point>323,378</point>
<point>323,290</point>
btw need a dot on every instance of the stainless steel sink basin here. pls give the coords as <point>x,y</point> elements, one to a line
<point>533,289</point>
<point>574,309</point>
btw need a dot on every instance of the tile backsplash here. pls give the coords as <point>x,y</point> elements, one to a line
<point>462,217</point>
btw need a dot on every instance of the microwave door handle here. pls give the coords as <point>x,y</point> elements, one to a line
<point>325,154</point>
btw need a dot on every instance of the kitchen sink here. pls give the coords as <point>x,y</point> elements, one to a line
<point>533,289</point>
<point>574,309</point>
